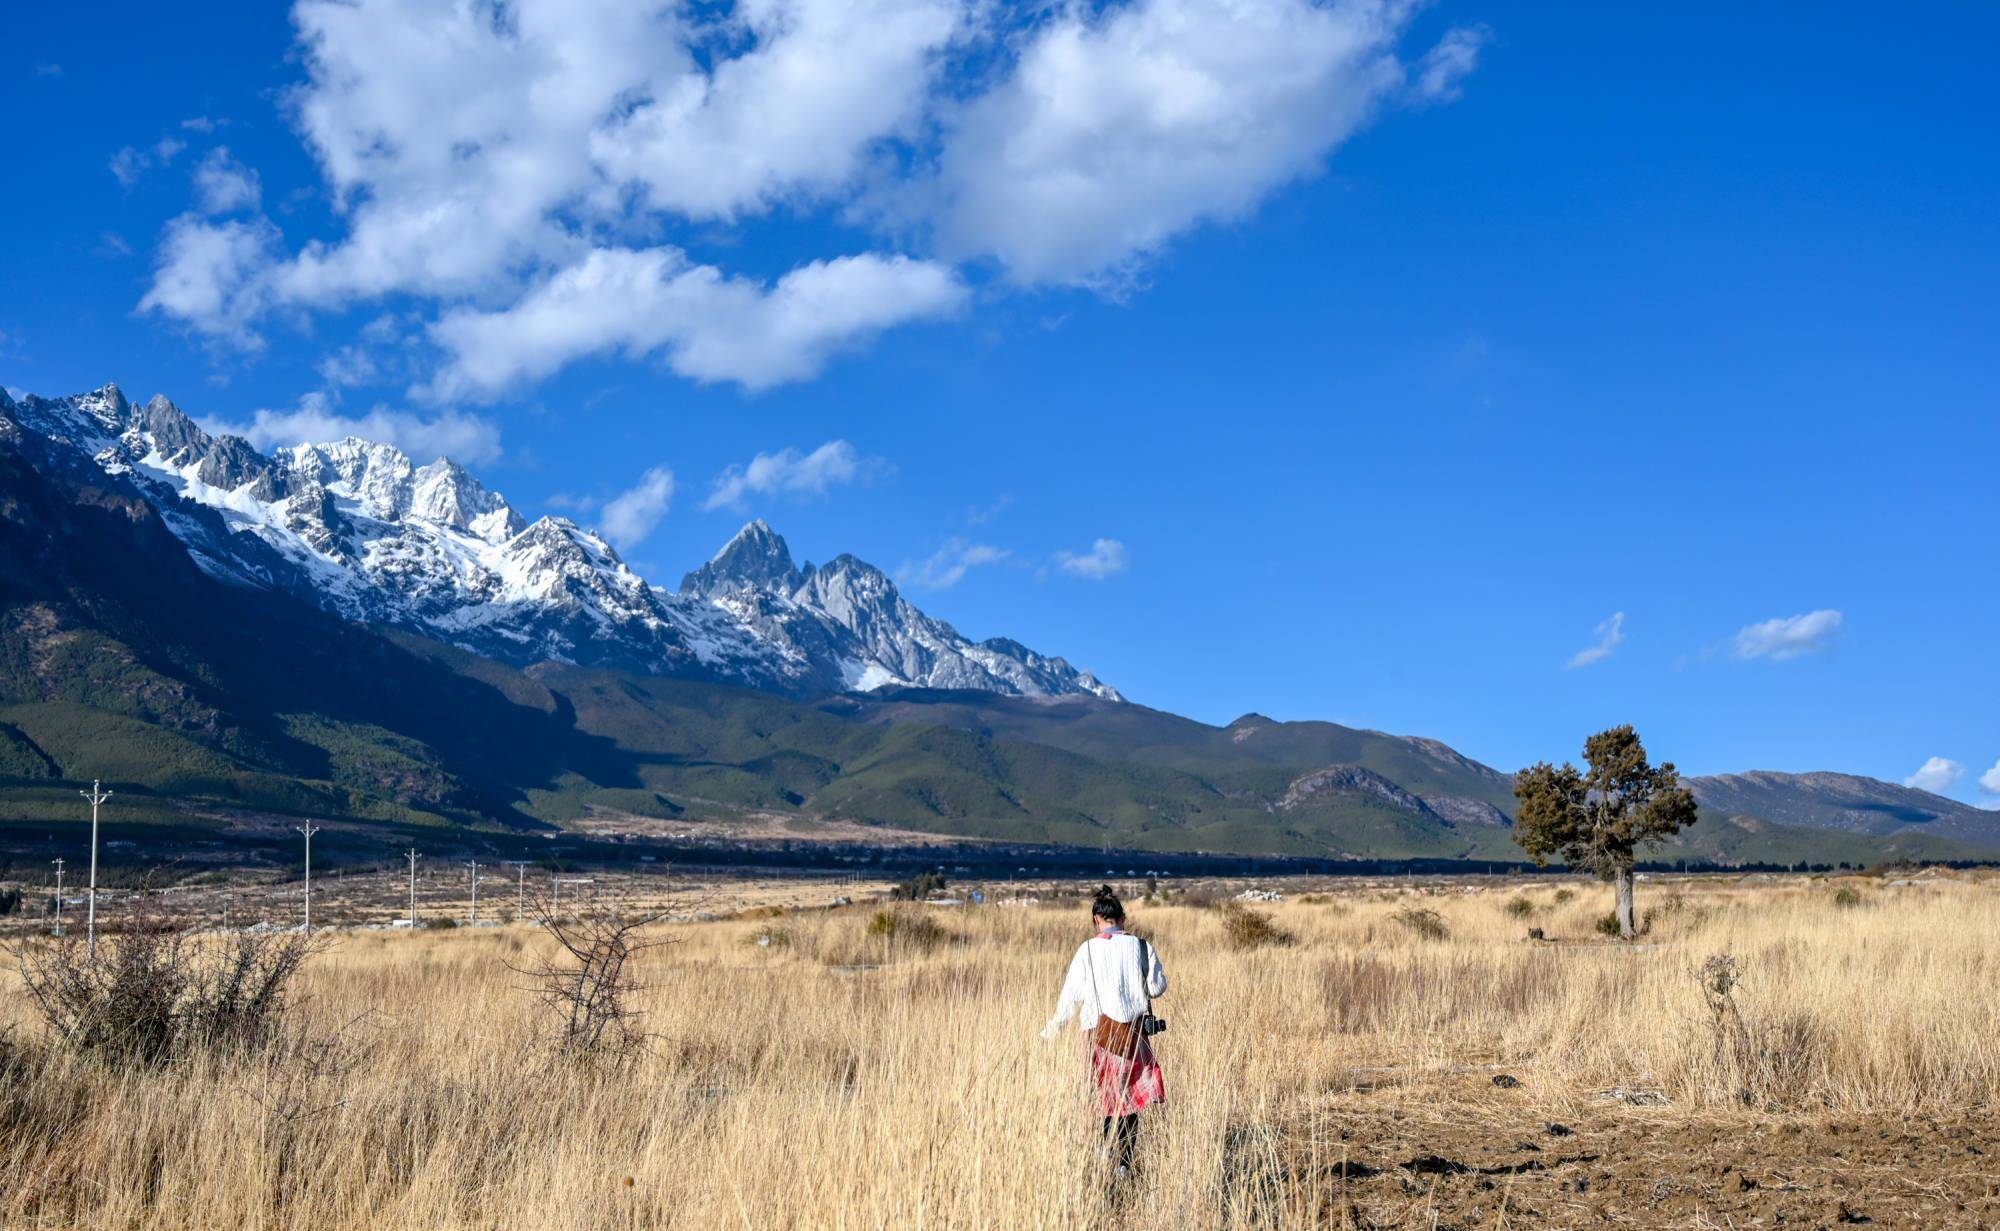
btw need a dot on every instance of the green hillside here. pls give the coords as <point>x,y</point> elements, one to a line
<point>141,670</point>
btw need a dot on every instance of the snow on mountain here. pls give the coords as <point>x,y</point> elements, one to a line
<point>357,528</point>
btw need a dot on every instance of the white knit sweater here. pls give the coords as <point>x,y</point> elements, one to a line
<point>1107,967</point>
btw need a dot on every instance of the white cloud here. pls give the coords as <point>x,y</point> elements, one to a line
<point>461,437</point>
<point>348,366</point>
<point>794,116</point>
<point>1105,557</point>
<point>1936,775</point>
<point>127,165</point>
<point>627,518</point>
<point>1448,64</point>
<point>1122,127</point>
<point>1990,780</point>
<point>1787,637</point>
<point>1609,635</point>
<point>708,326</point>
<point>790,472</point>
<point>210,274</point>
<point>222,185</point>
<point>948,565</point>
<point>510,166</point>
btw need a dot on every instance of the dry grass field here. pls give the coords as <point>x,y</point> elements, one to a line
<point>1396,1057</point>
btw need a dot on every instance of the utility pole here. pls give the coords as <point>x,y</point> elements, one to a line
<point>96,795</point>
<point>59,870</point>
<point>520,888</point>
<point>474,865</point>
<point>575,880</point>
<point>413,889</point>
<point>309,829</point>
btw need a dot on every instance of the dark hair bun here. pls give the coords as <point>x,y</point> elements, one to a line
<point>1107,906</point>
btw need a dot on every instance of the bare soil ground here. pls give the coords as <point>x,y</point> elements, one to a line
<point>1466,1161</point>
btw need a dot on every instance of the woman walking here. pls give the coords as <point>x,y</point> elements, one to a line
<point>1110,988</point>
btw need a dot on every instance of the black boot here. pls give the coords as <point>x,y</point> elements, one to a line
<point>1121,1134</point>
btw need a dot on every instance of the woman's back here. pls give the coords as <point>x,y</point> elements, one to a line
<point>1113,974</point>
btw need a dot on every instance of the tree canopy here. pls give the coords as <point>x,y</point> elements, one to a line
<point>1597,818</point>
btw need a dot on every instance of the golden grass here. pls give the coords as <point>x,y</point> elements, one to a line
<point>841,1077</point>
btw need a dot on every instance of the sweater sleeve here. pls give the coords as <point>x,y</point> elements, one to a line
<point>1071,999</point>
<point>1156,974</point>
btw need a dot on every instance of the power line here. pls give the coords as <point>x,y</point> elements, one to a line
<point>520,887</point>
<point>96,795</point>
<point>309,829</point>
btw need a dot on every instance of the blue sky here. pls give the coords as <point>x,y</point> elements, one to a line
<point>1398,357</point>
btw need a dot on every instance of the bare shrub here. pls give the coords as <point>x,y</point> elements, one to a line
<point>586,991</point>
<point>1673,906</point>
<point>1564,895</point>
<point>1847,897</point>
<point>1251,929</point>
<point>1520,907</point>
<point>1776,1063</point>
<point>917,888</point>
<point>909,930</point>
<point>150,995</point>
<point>1427,924</point>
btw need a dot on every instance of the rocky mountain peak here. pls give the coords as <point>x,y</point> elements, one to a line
<point>446,493</point>
<point>107,405</point>
<point>176,438</point>
<point>756,559</point>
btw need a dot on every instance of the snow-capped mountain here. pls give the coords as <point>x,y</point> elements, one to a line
<point>358,529</point>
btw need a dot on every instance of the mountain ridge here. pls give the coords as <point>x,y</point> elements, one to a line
<point>156,674</point>
<point>357,528</point>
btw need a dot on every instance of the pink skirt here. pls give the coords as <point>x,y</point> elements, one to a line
<point>1126,1084</point>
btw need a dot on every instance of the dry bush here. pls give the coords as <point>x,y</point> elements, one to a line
<point>1520,907</point>
<point>1425,923</point>
<point>150,995</point>
<point>1775,1061</point>
<point>908,931</point>
<point>1563,895</point>
<point>587,990</point>
<point>1847,897</point>
<point>1251,929</point>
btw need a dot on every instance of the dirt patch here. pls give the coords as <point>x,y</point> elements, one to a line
<point>1497,1164</point>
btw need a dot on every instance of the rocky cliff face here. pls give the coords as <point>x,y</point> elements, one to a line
<point>359,529</point>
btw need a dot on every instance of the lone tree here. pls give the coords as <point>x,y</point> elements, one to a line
<point>1597,819</point>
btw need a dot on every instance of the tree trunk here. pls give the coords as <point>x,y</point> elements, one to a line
<point>1628,926</point>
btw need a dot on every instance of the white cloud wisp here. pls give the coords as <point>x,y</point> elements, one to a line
<point>627,518</point>
<point>1105,557</point>
<point>1937,775</point>
<point>790,472</point>
<point>1785,638</point>
<point>1610,634</point>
